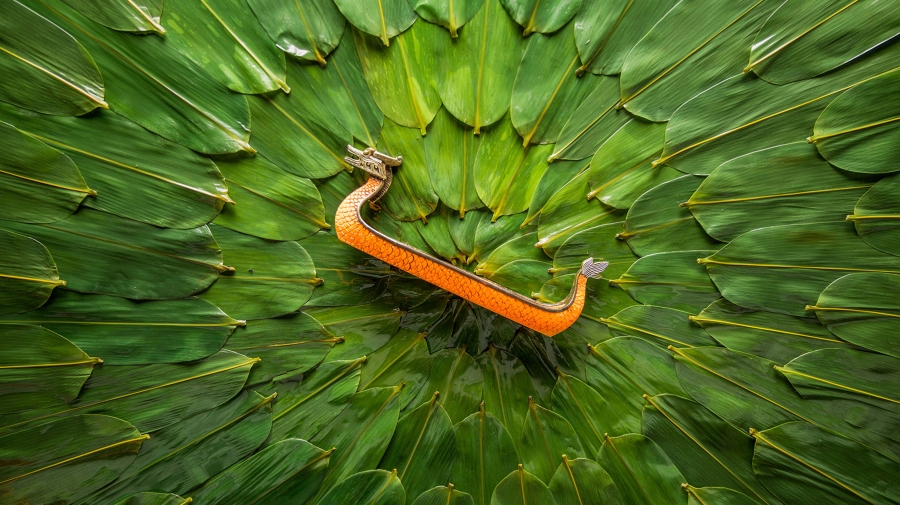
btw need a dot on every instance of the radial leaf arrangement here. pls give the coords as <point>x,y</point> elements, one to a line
<point>179,322</point>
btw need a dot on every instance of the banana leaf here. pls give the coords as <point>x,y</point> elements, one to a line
<point>491,233</point>
<point>670,279</point>
<point>622,170</point>
<point>288,346</point>
<point>401,77</point>
<point>136,174</point>
<point>789,46</point>
<point>27,273</point>
<point>519,248</point>
<point>807,465</point>
<point>140,16</point>
<point>547,437</point>
<point>876,216</point>
<point>641,470</point>
<point>541,17</point>
<point>584,482</point>
<point>606,31</point>
<point>78,455</point>
<point>484,454</point>
<point>365,328</point>
<point>525,277</point>
<point>476,73</point>
<point>224,38</point>
<point>592,123</point>
<point>463,231</point>
<point>268,278</point>
<point>448,14</point>
<point>51,73</point>
<point>422,449</point>
<point>521,488</point>
<point>788,184</point>
<point>374,487</point>
<point>39,368</point>
<point>411,195</point>
<point>659,222</point>
<point>303,408</point>
<point>152,84</point>
<point>506,388</point>
<point>38,184</point>
<point>550,183</point>
<point>290,470</point>
<point>537,353</point>
<point>436,232</point>
<point>599,243</point>
<point>383,19</point>
<point>128,258</point>
<point>450,153</point>
<point>149,396</point>
<point>861,308</point>
<point>777,337</point>
<point>658,325</point>
<point>349,277</point>
<point>404,359</point>
<point>310,30</point>
<point>444,495</point>
<point>800,260</point>
<point>475,328</point>
<point>705,448</point>
<point>360,434</point>
<point>126,332</point>
<point>588,412</point>
<point>716,496</point>
<point>186,454</point>
<point>148,498</point>
<point>270,203</point>
<point>669,65</point>
<point>458,379</point>
<point>546,91</point>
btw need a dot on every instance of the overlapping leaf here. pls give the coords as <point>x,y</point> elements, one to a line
<point>309,30</point>
<point>27,273</point>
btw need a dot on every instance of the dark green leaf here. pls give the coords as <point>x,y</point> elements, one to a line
<point>507,387</point>
<point>484,454</point>
<point>670,279</point>
<point>403,359</point>
<point>525,277</point>
<point>309,31</point>
<point>584,482</point>
<point>490,233</point>
<point>587,411</point>
<point>139,16</point>
<point>716,496</point>
<point>27,273</point>
<point>450,152</point>
<point>457,379</point>
<point>521,488</point>
<point>148,498</point>
<point>659,325</point>
<point>519,248</point>
<point>444,495</point>
<point>641,470</point>
<point>374,487</point>
<point>411,196</point>
<point>546,438</point>
<point>436,232</point>
<point>599,243</point>
<point>365,328</point>
<point>349,277</point>
<point>877,213</point>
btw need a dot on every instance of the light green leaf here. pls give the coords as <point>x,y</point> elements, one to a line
<point>492,233</point>
<point>268,278</point>
<point>148,498</point>
<point>507,387</point>
<point>365,328</point>
<point>484,453</point>
<point>521,488</point>
<point>476,74</point>
<point>38,184</point>
<point>448,14</point>
<point>78,455</point>
<point>541,17</point>
<point>592,123</point>
<point>403,359</point>
<point>462,231</point>
<point>126,332</point>
<point>141,16</point>
<point>589,414</point>
<point>457,379</point>
<point>546,438</point>
<point>349,276</point>
<point>584,482</point>
<point>525,277</point>
<point>411,195</point>
<point>374,487</point>
<point>308,30</point>
<point>383,19</point>
<point>136,174</point>
<point>519,248</point>
<point>444,495</point>
<point>27,273</point>
<point>39,368</point>
<point>670,279</point>
<point>290,470</point>
<point>599,243</point>
<point>53,73</point>
<point>450,153</point>
<point>658,325</point>
<point>550,183</point>
<point>641,470</point>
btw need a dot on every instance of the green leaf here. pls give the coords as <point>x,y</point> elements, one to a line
<point>383,19</point>
<point>788,184</point>
<point>411,196</point>
<point>658,325</point>
<point>39,368</point>
<point>288,127</point>
<point>621,169</point>
<point>128,258</point>
<point>148,498</point>
<point>519,248</point>
<point>716,496</point>
<point>303,408</point>
<point>625,369</point>
<point>135,173</point>
<point>807,465</point>
<point>592,123</point>
<point>343,87</point>
<point>463,231</point>
<point>492,233</point>
<point>589,414</point>
<point>507,387</point>
<point>659,222</point>
<point>349,276</point>
<point>290,470</point>
<point>78,455</point>
<point>310,31</point>
<point>550,183</point>
<point>457,379</point>
<point>484,454</point>
<point>537,353</point>
<point>224,38</point>
<point>450,152</point>
<point>422,449</point>
<point>584,482</point>
<point>541,17</point>
<point>476,75</point>
<point>404,359</point>
<point>365,328</point>
<point>525,277</point>
<point>374,487</point>
<point>670,279</point>
<point>184,455</point>
<point>152,84</point>
<point>669,66</point>
<point>599,243</point>
<point>52,73</point>
<point>641,470</point>
<point>38,184</point>
<point>778,337</point>
<point>27,273</point>
<point>707,450</point>
<point>360,434</point>
<point>448,14</point>
<point>141,16</point>
<point>876,215</point>
<point>151,396</point>
<point>126,332</point>
<point>546,91</point>
<point>444,495</point>
<point>547,437</point>
<point>606,31</point>
<point>521,488</point>
<point>401,77</point>
<point>789,46</point>
<point>801,260</point>
<point>288,346</point>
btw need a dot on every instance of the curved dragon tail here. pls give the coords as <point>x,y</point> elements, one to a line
<point>593,270</point>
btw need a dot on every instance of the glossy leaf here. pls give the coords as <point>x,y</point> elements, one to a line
<point>365,328</point>
<point>546,438</point>
<point>876,216</point>
<point>584,482</point>
<point>450,150</point>
<point>444,495</point>
<point>659,325</point>
<point>349,277</point>
<point>521,488</point>
<point>550,183</point>
<point>507,387</point>
<point>141,16</point>
<point>592,123</point>
<point>411,196</point>
<point>670,279</point>
<point>599,243</point>
<point>519,248</point>
<point>582,406</point>
<point>525,277</point>
<point>403,359</point>
<point>541,17</point>
<point>383,19</point>
<point>457,379</point>
<point>375,487</point>
<point>27,273</point>
<point>641,470</point>
<point>490,233</point>
<point>309,30</point>
<point>484,454</point>
<point>450,15</point>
